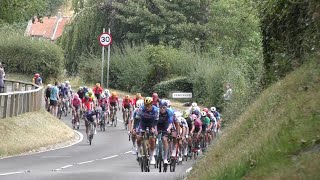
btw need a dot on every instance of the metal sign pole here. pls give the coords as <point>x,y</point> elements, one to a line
<point>102,66</point>
<point>108,62</point>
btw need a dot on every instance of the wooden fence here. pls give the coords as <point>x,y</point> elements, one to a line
<point>20,97</point>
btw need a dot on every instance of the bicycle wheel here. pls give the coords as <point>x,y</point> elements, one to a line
<point>91,133</point>
<point>77,120</point>
<point>65,107</point>
<point>59,113</point>
<point>172,165</point>
<point>160,159</point>
<point>115,121</point>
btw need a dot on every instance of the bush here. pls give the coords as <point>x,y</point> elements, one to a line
<point>176,84</point>
<point>24,55</point>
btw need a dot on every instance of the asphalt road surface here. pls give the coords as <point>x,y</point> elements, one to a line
<point>109,157</point>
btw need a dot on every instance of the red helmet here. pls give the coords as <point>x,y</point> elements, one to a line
<point>206,110</point>
<point>36,75</point>
<point>155,95</point>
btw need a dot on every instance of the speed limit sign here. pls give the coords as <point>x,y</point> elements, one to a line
<point>105,39</point>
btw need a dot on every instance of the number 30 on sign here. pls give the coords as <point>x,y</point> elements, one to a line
<point>105,39</point>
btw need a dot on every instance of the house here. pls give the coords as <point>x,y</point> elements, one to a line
<point>50,28</point>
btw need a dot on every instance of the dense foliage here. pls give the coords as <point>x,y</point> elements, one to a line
<point>290,34</point>
<point>23,55</point>
<point>22,10</point>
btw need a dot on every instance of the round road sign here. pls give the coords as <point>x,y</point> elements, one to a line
<point>105,39</point>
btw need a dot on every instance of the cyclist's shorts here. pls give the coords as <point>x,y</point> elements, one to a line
<point>127,106</point>
<point>90,118</point>
<point>162,127</point>
<point>76,108</point>
<point>53,102</point>
<point>204,127</point>
<point>143,127</point>
<point>97,96</point>
<point>113,103</point>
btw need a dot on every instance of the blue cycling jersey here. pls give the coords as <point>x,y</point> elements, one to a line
<point>149,118</point>
<point>64,92</point>
<point>217,115</point>
<point>166,118</point>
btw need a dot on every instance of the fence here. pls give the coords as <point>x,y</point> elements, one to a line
<point>20,97</point>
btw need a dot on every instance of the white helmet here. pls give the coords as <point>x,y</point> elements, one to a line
<point>203,113</point>
<point>212,109</point>
<point>67,82</point>
<point>168,103</point>
<point>49,85</point>
<point>106,92</point>
<point>139,103</point>
<point>103,96</point>
<point>194,104</point>
<point>177,114</point>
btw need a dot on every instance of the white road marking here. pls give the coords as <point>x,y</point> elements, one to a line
<point>64,167</point>
<point>188,170</point>
<point>11,173</point>
<point>85,162</point>
<point>110,157</point>
<point>127,152</point>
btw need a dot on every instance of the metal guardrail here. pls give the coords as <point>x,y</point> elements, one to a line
<point>20,97</point>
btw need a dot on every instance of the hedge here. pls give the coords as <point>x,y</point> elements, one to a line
<point>175,84</point>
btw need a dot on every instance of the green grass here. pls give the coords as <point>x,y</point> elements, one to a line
<point>31,132</point>
<point>278,137</point>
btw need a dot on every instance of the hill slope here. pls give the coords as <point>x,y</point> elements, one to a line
<point>278,137</point>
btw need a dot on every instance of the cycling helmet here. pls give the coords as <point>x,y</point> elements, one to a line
<point>138,95</point>
<point>155,95</point>
<point>103,96</point>
<point>36,75</point>
<point>80,88</point>
<point>63,85</point>
<point>139,103</point>
<point>177,114</point>
<point>168,103</point>
<point>127,97</point>
<point>98,84</point>
<point>196,112</point>
<point>194,104</point>
<point>213,109</point>
<point>185,114</point>
<point>86,95</point>
<point>203,114</point>
<point>163,103</point>
<point>193,117</point>
<point>113,94</point>
<point>90,93</point>
<point>106,92</point>
<point>206,110</point>
<point>76,96</point>
<point>148,101</point>
<point>49,86</point>
<point>67,82</point>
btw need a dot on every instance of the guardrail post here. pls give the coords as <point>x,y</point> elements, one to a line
<point>5,87</point>
<point>24,104</point>
<point>5,106</point>
<point>12,101</point>
<point>17,104</point>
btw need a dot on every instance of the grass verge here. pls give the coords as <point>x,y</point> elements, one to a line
<point>31,132</point>
<point>278,137</point>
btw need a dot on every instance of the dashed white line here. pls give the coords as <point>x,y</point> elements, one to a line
<point>11,173</point>
<point>64,167</point>
<point>85,162</point>
<point>110,157</point>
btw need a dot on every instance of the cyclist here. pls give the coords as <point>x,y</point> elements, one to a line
<point>186,115</point>
<point>165,125</point>
<point>194,109</point>
<point>148,115</point>
<point>196,129</point>
<point>104,104</point>
<point>206,123</point>
<point>85,89</point>
<point>216,114</point>
<point>155,99</point>
<point>81,92</point>
<point>212,125</point>
<point>97,90</point>
<point>69,92</point>
<point>87,105</point>
<point>76,105</point>
<point>114,103</point>
<point>133,125</point>
<point>107,93</point>
<point>47,97</point>
<point>89,117</point>
<point>184,131</point>
<point>54,97</point>
<point>126,104</point>
<point>138,97</point>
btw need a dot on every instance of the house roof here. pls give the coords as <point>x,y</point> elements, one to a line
<point>48,29</point>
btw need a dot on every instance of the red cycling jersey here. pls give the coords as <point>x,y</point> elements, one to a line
<point>97,90</point>
<point>126,103</point>
<point>76,101</point>
<point>87,103</point>
<point>113,100</point>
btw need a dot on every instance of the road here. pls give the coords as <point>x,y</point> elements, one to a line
<point>109,157</point>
